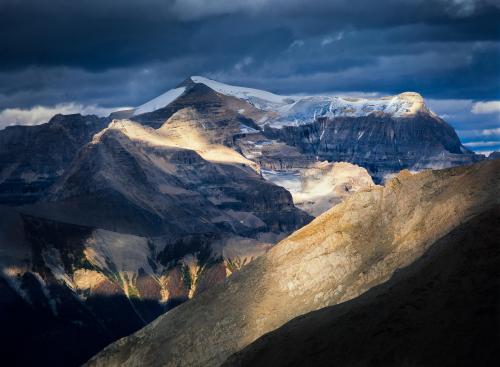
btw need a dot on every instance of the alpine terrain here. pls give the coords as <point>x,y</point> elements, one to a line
<point>356,245</point>
<point>108,224</point>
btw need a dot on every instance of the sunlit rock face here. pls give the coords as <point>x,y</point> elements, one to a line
<point>32,158</point>
<point>321,186</point>
<point>228,113</point>
<point>63,285</point>
<point>343,253</point>
<point>134,179</point>
<point>441,310</point>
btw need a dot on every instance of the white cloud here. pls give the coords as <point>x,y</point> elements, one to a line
<point>488,132</point>
<point>243,63</point>
<point>296,43</point>
<point>486,107</point>
<point>329,39</point>
<point>478,134</point>
<point>41,114</point>
<point>482,143</point>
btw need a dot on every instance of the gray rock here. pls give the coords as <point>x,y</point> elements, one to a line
<point>32,158</point>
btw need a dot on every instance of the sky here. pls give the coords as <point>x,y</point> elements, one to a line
<point>97,56</point>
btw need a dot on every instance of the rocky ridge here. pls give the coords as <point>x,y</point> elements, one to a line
<point>341,254</point>
<point>440,310</point>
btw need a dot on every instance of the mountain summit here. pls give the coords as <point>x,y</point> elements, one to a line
<point>383,135</point>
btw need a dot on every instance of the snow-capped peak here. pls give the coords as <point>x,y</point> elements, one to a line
<point>307,109</point>
<point>259,98</point>
<point>296,110</point>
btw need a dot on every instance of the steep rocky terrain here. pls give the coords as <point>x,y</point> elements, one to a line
<point>380,143</point>
<point>32,158</point>
<point>68,290</point>
<point>113,221</point>
<point>351,248</point>
<point>170,181</point>
<point>139,222</point>
<point>228,114</point>
<point>441,310</point>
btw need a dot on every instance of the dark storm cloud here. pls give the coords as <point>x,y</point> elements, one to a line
<point>109,53</point>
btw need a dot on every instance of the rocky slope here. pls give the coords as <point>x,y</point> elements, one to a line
<point>68,290</point>
<point>382,144</point>
<point>171,181</point>
<point>141,221</point>
<point>227,113</point>
<point>321,186</point>
<point>441,310</point>
<point>341,254</point>
<point>32,158</point>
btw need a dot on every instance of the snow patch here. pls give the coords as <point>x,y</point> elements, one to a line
<point>261,99</point>
<point>161,101</point>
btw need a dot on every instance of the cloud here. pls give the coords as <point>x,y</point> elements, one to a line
<point>41,114</point>
<point>489,132</point>
<point>329,39</point>
<point>482,143</point>
<point>196,9</point>
<point>449,50</point>
<point>246,61</point>
<point>296,43</point>
<point>486,107</point>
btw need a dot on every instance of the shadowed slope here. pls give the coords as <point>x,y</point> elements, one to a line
<point>443,310</point>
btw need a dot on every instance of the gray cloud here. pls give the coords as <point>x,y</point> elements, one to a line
<point>105,54</point>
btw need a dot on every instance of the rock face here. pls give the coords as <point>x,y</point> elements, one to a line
<point>321,186</point>
<point>441,310</point>
<point>382,144</point>
<point>141,221</point>
<point>133,179</point>
<point>229,114</point>
<point>354,246</point>
<point>64,285</point>
<point>32,158</point>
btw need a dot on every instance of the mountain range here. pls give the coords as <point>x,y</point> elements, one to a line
<point>109,222</point>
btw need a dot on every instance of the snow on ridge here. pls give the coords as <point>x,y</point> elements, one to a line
<point>297,110</point>
<point>307,109</point>
<point>161,101</point>
<point>259,98</point>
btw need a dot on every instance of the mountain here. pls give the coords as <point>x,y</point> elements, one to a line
<point>383,135</point>
<point>109,222</point>
<point>67,291</point>
<point>442,310</point>
<point>140,221</point>
<point>32,158</point>
<point>138,180</point>
<point>351,248</point>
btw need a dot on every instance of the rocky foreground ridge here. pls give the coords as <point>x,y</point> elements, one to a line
<point>442,310</point>
<point>341,254</point>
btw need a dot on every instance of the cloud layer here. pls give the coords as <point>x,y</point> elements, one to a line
<point>104,53</point>
<point>41,114</point>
